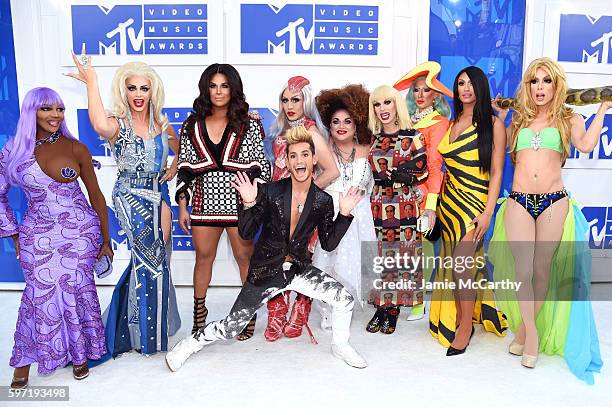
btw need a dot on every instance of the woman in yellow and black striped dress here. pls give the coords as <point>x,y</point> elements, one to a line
<point>473,150</point>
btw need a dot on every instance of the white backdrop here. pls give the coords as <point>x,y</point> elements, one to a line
<point>42,53</point>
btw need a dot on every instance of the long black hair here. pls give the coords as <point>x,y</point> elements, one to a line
<point>238,109</point>
<point>482,117</point>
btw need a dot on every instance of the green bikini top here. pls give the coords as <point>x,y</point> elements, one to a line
<point>548,137</point>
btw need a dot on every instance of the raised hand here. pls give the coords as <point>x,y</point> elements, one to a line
<point>86,72</point>
<point>501,113</point>
<point>349,200</point>
<point>246,189</point>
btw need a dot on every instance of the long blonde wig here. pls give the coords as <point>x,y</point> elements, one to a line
<point>381,94</point>
<point>120,102</point>
<point>558,113</point>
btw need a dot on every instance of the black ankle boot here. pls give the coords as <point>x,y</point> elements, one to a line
<point>388,325</point>
<point>377,320</point>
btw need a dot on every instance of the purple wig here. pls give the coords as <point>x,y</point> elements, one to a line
<point>21,147</point>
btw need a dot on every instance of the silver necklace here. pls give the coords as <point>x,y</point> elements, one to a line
<point>49,139</point>
<point>346,167</point>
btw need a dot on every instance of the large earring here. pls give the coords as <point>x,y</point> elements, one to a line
<point>151,119</point>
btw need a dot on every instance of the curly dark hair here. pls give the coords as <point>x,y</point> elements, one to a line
<point>352,98</point>
<point>238,111</point>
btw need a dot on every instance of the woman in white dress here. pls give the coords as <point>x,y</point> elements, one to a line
<point>345,113</point>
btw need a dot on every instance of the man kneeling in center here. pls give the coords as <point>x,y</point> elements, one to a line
<point>289,210</point>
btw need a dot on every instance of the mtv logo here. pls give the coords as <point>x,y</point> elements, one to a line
<point>119,240</point>
<point>603,150</point>
<point>181,241</point>
<point>113,30</point>
<point>270,29</point>
<point>497,69</point>
<point>585,39</point>
<point>600,225</point>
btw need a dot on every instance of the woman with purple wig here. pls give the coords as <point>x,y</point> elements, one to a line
<point>57,242</point>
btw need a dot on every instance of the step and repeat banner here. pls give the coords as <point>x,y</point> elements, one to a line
<point>579,36</point>
<point>331,42</point>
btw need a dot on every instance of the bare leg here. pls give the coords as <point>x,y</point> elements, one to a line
<point>166,221</point>
<point>549,229</point>
<point>464,298</point>
<point>20,376</point>
<point>521,232</point>
<point>242,250</point>
<point>205,241</point>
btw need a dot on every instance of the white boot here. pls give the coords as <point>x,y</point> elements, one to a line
<point>349,355</point>
<point>185,348</point>
<point>326,317</point>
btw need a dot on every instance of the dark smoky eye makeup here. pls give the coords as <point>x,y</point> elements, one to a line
<point>284,100</point>
<point>131,88</point>
<point>547,80</point>
<point>144,88</point>
<point>295,99</point>
<point>376,104</point>
<point>387,102</point>
<point>461,83</point>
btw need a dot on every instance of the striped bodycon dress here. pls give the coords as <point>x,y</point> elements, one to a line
<point>463,197</point>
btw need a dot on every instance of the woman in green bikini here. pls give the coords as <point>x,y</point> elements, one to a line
<point>545,314</point>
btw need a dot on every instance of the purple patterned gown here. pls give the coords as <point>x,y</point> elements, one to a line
<point>59,319</point>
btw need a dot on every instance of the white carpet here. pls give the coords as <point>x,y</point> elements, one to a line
<point>406,368</point>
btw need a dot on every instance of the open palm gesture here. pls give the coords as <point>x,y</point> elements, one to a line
<point>349,200</point>
<point>246,189</point>
<point>86,73</point>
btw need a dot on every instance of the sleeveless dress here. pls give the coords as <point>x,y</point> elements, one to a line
<point>344,263</point>
<point>59,319</point>
<point>463,197</point>
<point>143,311</point>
